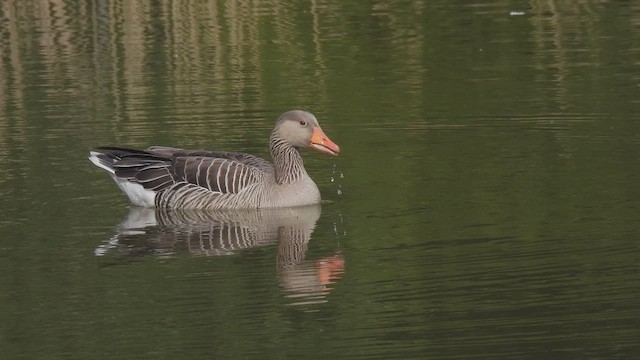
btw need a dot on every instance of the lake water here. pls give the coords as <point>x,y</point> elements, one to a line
<point>486,203</point>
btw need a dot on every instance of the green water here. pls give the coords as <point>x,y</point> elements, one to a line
<point>485,203</point>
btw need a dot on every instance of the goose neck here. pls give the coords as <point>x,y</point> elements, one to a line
<point>287,161</point>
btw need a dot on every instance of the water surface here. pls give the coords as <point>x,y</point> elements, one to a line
<point>485,203</point>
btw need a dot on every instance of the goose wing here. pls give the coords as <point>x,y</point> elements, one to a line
<point>252,161</point>
<point>158,168</point>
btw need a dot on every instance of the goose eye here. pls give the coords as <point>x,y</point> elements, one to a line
<point>303,123</point>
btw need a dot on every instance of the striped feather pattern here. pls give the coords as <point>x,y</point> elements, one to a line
<point>223,175</point>
<point>188,179</point>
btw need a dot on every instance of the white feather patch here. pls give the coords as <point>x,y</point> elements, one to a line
<point>137,194</point>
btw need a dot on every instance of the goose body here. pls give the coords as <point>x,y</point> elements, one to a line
<point>166,177</point>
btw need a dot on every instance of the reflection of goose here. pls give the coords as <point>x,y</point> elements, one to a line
<point>191,179</point>
<point>216,232</point>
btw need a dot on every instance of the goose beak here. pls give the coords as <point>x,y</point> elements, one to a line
<point>321,143</point>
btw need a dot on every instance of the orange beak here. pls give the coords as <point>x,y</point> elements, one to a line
<point>321,143</point>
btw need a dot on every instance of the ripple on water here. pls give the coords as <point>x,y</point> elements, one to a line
<point>501,295</point>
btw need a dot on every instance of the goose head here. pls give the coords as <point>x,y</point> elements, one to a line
<point>300,129</point>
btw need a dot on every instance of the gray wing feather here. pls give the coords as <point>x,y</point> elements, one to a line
<point>159,168</point>
<point>222,175</point>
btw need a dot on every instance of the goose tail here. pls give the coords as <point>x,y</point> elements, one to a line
<point>110,159</point>
<point>103,160</point>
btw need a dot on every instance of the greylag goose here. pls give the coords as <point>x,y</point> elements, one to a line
<point>165,177</point>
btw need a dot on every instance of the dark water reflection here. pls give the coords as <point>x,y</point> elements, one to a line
<point>161,232</point>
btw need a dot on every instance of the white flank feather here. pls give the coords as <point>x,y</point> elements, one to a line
<point>137,194</point>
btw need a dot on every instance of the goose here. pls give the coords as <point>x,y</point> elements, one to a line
<point>173,178</point>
